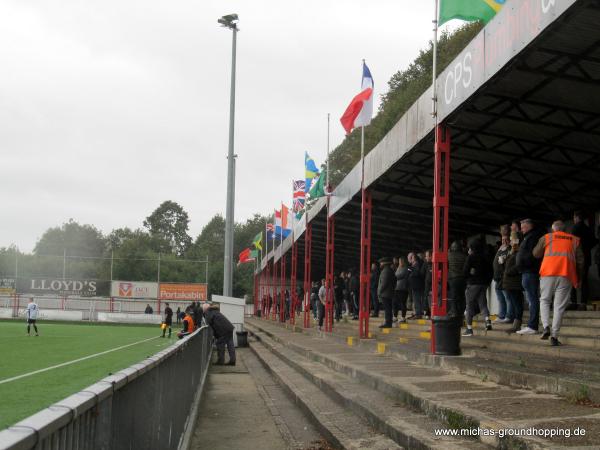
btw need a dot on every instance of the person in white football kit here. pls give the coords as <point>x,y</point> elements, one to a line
<point>32,313</point>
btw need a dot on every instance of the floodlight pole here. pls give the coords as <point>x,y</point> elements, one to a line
<point>229,214</point>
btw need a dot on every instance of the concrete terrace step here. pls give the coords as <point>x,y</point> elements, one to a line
<point>532,344</point>
<point>410,429</point>
<point>452,398</point>
<point>573,381</point>
<point>340,426</point>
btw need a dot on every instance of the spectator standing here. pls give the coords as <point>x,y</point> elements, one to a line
<point>401,290</point>
<point>354,293</point>
<point>416,284</point>
<point>373,284</point>
<point>322,299</point>
<point>478,274</point>
<point>223,332</point>
<point>426,272</point>
<point>385,290</point>
<point>563,259</point>
<point>314,299</point>
<point>529,267</point>
<point>456,279</point>
<point>148,309</point>
<point>505,313</point>
<point>178,315</point>
<point>512,285</point>
<point>338,295</point>
<point>587,242</point>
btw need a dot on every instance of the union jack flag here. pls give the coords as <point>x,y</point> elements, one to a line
<point>270,231</point>
<point>299,194</point>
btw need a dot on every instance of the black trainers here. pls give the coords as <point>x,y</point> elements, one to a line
<point>554,342</point>
<point>468,332</point>
<point>545,334</point>
<point>488,325</point>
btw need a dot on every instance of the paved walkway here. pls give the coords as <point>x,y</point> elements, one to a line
<point>244,408</point>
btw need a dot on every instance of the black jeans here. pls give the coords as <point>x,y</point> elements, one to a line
<point>339,301</point>
<point>221,342</point>
<point>456,293</point>
<point>321,309</point>
<point>374,302</point>
<point>400,298</point>
<point>387,308</point>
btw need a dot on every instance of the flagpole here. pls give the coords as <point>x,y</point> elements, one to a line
<point>327,165</point>
<point>434,77</point>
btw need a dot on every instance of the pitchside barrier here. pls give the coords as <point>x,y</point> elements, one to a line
<point>94,309</point>
<point>150,405</point>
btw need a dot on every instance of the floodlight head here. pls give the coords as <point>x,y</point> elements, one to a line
<point>229,21</point>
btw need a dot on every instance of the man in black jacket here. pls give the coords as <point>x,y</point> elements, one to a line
<point>416,284</point>
<point>385,290</point>
<point>529,267</point>
<point>588,242</point>
<point>478,274</point>
<point>223,332</point>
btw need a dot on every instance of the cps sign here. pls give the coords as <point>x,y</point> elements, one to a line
<point>461,75</point>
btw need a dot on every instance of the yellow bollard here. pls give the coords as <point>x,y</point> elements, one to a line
<point>380,348</point>
<point>370,335</point>
<point>422,322</point>
<point>425,334</point>
<point>350,341</point>
<point>386,330</point>
<point>404,326</point>
<point>403,340</point>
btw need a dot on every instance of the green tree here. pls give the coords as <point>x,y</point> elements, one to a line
<point>169,223</point>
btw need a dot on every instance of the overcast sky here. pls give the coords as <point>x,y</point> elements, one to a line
<point>108,108</point>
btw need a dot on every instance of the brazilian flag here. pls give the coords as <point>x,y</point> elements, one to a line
<point>469,10</point>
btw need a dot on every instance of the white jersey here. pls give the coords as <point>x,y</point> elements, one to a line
<point>32,310</point>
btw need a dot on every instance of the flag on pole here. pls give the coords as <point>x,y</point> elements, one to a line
<point>281,225</point>
<point>311,171</point>
<point>299,195</point>
<point>360,110</point>
<point>257,241</point>
<point>469,10</point>
<point>245,256</point>
<point>270,232</point>
<point>286,220</point>
<point>319,188</point>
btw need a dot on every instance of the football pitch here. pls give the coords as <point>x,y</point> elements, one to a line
<point>100,349</point>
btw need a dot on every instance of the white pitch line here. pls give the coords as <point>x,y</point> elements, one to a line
<point>28,374</point>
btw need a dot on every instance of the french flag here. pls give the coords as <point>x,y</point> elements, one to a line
<point>360,109</point>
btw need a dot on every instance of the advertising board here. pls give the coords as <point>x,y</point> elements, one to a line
<point>183,291</point>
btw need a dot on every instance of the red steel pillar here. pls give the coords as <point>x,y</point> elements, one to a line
<point>329,266</point>
<point>282,289</point>
<point>293,294</point>
<point>441,206</point>
<point>273,310</point>
<point>255,293</point>
<point>276,293</point>
<point>307,279</point>
<point>365,264</point>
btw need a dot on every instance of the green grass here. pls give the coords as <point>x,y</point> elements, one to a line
<point>59,343</point>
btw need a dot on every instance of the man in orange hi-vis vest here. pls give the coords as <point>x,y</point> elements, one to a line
<point>563,260</point>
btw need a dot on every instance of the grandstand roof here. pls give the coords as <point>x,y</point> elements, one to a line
<point>522,102</point>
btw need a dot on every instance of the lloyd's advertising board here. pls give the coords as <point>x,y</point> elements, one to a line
<point>134,289</point>
<point>183,291</point>
<point>57,286</point>
<point>8,286</point>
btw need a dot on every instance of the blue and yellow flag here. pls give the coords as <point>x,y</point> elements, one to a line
<point>311,171</point>
<point>469,10</point>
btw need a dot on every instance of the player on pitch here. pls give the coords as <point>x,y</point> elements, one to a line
<point>168,320</point>
<point>32,313</point>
